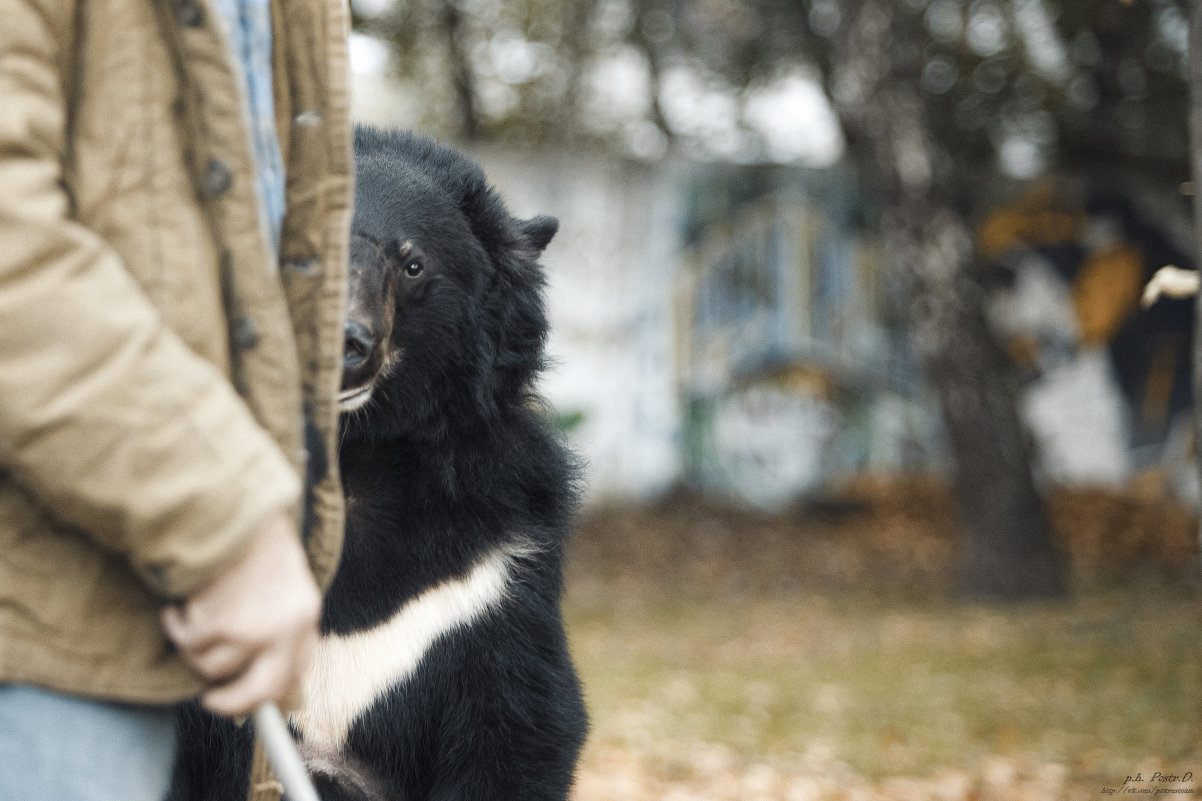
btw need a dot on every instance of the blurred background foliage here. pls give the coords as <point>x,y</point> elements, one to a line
<point>1028,85</point>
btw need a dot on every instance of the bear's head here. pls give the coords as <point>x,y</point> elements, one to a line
<point>445,322</point>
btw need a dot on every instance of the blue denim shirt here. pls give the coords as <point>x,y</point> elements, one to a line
<point>248,23</point>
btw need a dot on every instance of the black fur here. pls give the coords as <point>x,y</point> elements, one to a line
<point>452,457</point>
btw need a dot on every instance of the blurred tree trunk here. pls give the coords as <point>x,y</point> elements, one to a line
<point>1195,132</point>
<point>1010,553</point>
<point>574,42</point>
<point>462,76</point>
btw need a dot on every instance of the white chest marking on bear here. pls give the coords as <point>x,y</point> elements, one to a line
<point>350,671</point>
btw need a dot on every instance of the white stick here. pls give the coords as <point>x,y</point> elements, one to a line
<point>281,751</point>
<point>1171,282</point>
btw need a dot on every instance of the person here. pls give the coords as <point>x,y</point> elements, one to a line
<point>175,183</point>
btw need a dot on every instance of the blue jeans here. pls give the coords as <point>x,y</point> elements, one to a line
<point>57,747</point>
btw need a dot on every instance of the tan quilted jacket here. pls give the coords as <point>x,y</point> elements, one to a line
<point>154,358</point>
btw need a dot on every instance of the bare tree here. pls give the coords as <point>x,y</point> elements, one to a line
<point>1010,551</point>
<point>462,77</point>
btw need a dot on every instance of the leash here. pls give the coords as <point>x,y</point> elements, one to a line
<point>281,752</point>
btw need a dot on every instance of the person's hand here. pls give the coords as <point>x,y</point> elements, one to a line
<point>251,631</point>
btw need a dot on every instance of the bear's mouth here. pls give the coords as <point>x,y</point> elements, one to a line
<point>355,397</point>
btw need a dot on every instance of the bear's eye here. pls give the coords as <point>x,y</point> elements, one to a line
<point>414,268</point>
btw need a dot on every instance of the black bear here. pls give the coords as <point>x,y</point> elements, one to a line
<point>443,671</point>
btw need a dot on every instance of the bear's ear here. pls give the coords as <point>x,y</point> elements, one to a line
<point>539,230</point>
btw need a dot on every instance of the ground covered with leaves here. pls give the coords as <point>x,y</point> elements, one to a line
<point>821,654</point>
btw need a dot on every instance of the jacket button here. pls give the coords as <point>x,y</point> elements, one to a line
<point>218,177</point>
<point>190,14</point>
<point>159,576</point>
<point>245,334</point>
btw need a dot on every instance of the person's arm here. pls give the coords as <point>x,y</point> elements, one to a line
<point>106,416</point>
<point>118,428</point>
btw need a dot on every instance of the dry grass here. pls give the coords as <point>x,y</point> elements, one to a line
<point>815,655</point>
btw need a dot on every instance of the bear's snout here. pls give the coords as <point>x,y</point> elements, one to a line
<point>359,344</point>
<point>361,361</point>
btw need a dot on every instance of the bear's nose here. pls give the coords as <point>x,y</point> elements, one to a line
<point>358,345</point>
